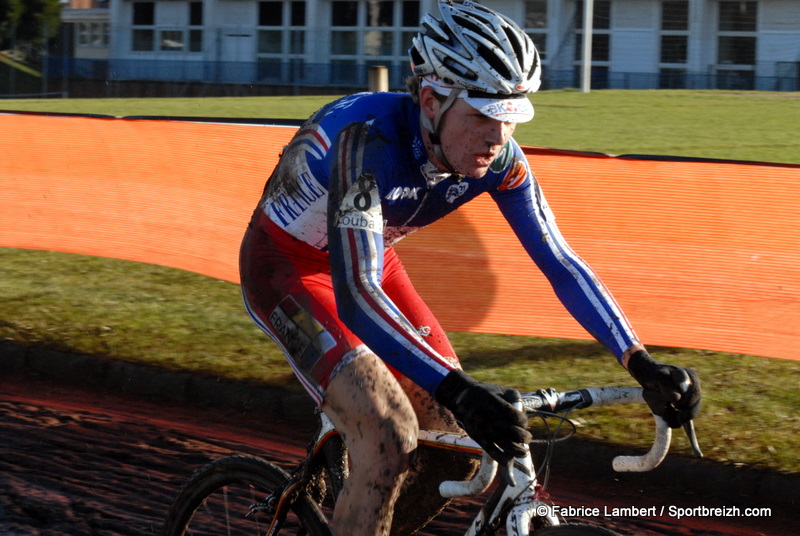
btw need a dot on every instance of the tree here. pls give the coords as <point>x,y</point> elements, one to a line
<point>10,14</point>
<point>28,23</point>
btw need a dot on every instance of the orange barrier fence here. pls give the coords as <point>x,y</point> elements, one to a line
<point>699,254</point>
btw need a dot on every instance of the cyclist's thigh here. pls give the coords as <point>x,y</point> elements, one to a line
<point>295,305</point>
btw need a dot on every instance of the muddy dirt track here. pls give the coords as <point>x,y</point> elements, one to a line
<point>83,462</point>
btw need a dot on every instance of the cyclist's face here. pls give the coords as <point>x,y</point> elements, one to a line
<point>470,140</point>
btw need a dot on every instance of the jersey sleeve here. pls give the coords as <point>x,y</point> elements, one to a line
<point>522,203</point>
<point>356,248</point>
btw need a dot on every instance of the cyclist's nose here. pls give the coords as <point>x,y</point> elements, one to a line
<point>498,132</point>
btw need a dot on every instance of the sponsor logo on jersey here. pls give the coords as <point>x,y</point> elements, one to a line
<point>515,177</point>
<point>345,102</point>
<point>417,147</point>
<point>301,334</point>
<point>287,208</point>
<point>403,192</point>
<point>455,191</point>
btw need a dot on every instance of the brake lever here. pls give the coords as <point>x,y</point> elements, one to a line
<point>507,474</point>
<point>688,427</point>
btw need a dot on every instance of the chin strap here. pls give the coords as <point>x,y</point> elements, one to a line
<point>433,132</point>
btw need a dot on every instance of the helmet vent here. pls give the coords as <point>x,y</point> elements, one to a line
<point>490,57</point>
<point>475,48</point>
<point>513,38</point>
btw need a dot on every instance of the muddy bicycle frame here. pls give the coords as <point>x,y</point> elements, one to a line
<point>518,499</point>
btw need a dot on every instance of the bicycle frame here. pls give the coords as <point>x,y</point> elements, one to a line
<point>519,499</point>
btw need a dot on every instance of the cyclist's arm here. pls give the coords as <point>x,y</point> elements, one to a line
<point>574,282</point>
<point>355,242</point>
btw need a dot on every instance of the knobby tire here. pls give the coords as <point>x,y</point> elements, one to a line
<point>215,499</point>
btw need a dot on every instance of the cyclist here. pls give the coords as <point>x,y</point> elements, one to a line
<point>320,276</point>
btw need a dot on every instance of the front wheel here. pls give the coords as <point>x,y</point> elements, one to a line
<point>219,496</point>
<point>574,529</point>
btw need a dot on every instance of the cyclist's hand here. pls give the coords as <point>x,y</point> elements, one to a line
<point>486,414</point>
<point>671,392</point>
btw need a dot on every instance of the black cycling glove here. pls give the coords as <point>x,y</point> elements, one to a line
<point>671,392</point>
<point>486,414</point>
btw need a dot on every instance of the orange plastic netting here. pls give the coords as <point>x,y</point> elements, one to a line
<point>699,254</point>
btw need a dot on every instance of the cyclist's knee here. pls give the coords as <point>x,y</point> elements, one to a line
<point>388,443</point>
<point>373,413</point>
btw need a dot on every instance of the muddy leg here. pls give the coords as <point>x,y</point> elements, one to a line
<point>379,426</point>
<point>419,500</point>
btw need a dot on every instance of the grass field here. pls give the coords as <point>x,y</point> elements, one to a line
<point>183,321</point>
<point>712,124</point>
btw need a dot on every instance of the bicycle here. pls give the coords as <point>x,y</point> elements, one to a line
<point>243,494</point>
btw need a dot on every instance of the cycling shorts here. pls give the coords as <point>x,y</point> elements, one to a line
<point>288,291</point>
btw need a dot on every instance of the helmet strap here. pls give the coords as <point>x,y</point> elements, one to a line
<point>433,130</point>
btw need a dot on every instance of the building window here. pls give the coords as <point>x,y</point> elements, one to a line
<point>195,27</point>
<point>736,44</point>
<point>144,20</point>
<point>144,13</point>
<point>675,15</point>
<point>372,32</point>
<point>344,13</point>
<point>380,14</point>
<point>601,15</point>
<point>170,40</point>
<point>410,14</point>
<point>737,33</point>
<point>298,17</point>
<point>147,36</point>
<point>674,48</point>
<point>143,40</point>
<point>378,42</point>
<point>737,16</point>
<point>282,35</point>
<point>270,13</point>
<point>536,24</point>
<point>195,40</point>
<point>195,13</point>
<point>344,42</point>
<point>270,42</point>
<point>674,31</point>
<point>601,34</point>
<point>674,37</point>
<point>93,34</point>
<point>355,33</point>
<point>736,50</point>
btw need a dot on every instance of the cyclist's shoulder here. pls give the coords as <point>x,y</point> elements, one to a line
<point>384,110</point>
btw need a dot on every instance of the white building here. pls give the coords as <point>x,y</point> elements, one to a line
<point>636,43</point>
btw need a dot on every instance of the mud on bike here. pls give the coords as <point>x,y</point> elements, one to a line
<point>247,495</point>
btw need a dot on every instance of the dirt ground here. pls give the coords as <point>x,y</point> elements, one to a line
<point>75,461</point>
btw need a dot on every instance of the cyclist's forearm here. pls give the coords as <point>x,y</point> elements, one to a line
<point>574,282</point>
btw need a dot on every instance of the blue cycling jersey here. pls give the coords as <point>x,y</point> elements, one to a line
<point>356,178</point>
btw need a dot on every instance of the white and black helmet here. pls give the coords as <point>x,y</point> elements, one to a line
<point>477,49</point>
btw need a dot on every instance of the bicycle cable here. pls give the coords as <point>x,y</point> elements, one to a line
<point>551,438</point>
